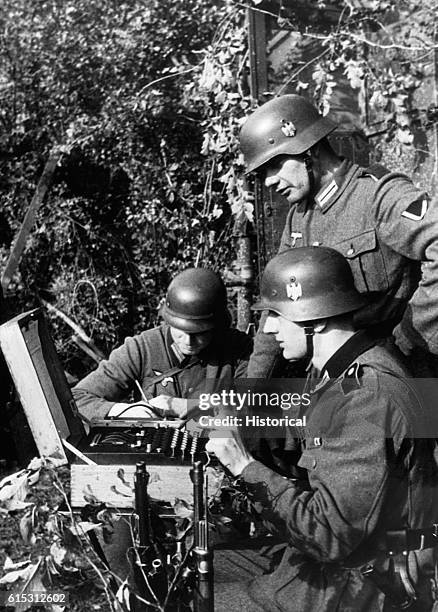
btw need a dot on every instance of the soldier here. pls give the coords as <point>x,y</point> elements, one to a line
<point>359,525</point>
<point>377,219</point>
<point>172,363</point>
<point>193,351</point>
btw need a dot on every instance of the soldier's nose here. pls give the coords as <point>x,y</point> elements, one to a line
<point>271,325</point>
<point>271,181</point>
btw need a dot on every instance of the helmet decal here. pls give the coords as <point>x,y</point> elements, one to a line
<point>288,128</point>
<point>294,290</point>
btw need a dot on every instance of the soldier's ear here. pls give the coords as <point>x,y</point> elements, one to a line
<point>314,152</point>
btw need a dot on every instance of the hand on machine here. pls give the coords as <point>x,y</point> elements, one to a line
<point>230,451</point>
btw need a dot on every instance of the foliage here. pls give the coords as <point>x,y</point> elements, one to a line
<point>136,197</point>
<point>219,89</point>
<point>381,51</point>
<point>147,99</point>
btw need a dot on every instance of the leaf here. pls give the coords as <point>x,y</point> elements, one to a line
<point>123,595</point>
<point>355,74</point>
<point>20,574</point>
<point>58,553</point>
<point>35,464</point>
<point>62,558</point>
<point>14,486</point>
<point>27,529</point>
<point>405,136</point>
<point>51,567</point>
<point>15,504</point>
<point>10,565</point>
<point>182,509</point>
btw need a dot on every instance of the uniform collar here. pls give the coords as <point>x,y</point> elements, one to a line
<point>345,356</point>
<point>330,192</point>
<point>174,354</point>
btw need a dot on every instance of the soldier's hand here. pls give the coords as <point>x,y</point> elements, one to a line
<point>231,452</point>
<point>167,405</point>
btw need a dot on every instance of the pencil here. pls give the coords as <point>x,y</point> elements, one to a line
<point>145,399</point>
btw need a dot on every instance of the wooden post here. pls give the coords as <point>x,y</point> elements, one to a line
<point>29,219</point>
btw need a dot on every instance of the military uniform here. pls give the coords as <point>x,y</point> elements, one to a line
<point>367,477</point>
<point>385,227</point>
<point>152,359</point>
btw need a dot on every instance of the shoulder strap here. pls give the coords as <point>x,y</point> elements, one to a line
<point>159,342</point>
<point>376,171</point>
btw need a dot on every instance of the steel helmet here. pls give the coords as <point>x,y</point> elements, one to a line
<point>309,283</point>
<point>286,125</point>
<point>196,301</point>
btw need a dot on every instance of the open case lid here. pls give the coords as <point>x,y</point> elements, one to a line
<point>40,382</point>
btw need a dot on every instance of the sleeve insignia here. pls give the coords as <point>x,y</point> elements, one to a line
<point>351,379</point>
<point>416,210</point>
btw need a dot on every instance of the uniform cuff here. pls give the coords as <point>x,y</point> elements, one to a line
<point>255,471</point>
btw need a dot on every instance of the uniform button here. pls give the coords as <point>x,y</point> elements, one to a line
<point>350,251</point>
<point>190,389</point>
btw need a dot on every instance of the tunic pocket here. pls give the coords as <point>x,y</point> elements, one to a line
<point>366,261</point>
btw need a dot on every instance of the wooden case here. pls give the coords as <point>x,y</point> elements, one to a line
<point>100,471</point>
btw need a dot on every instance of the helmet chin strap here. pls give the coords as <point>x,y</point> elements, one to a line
<point>309,332</point>
<point>309,167</point>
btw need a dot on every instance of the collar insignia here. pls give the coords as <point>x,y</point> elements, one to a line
<point>166,381</point>
<point>294,290</point>
<point>288,128</point>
